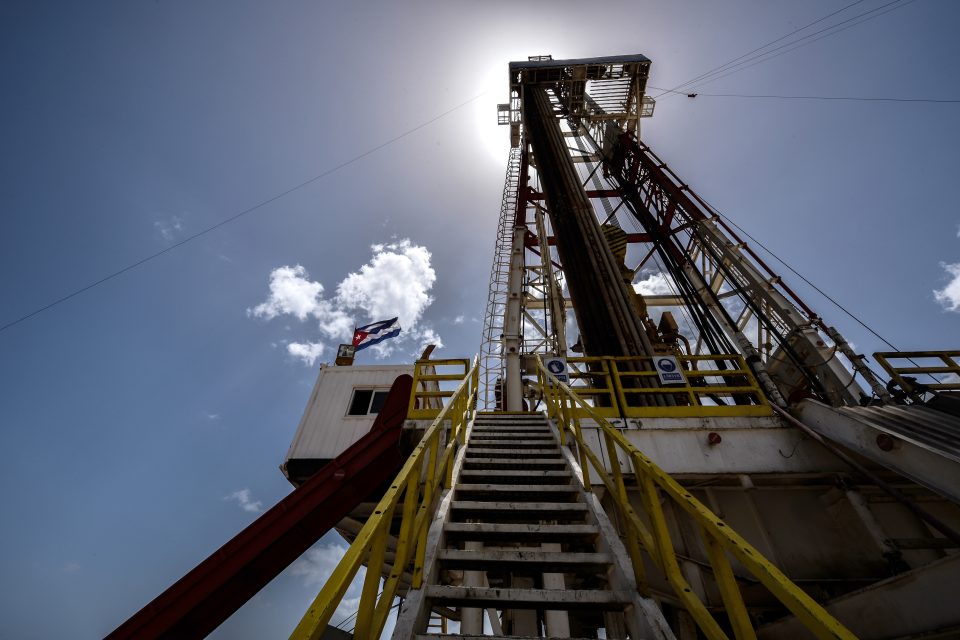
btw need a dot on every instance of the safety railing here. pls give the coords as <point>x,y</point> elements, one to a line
<point>592,379</point>
<point>429,379</point>
<point>628,387</point>
<point>944,376</point>
<point>413,495</point>
<point>648,532</point>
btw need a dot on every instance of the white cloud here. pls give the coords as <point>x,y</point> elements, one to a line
<point>459,319</point>
<point>949,296</point>
<point>317,563</point>
<point>211,416</point>
<point>71,567</point>
<point>169,228</point>
<point>395,282</point>
<point>425,337</point>
<point>654,285</point>
<point>290,292</point>
<point>308,352</point>
<point>244,498</point>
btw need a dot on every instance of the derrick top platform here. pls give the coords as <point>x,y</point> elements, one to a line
<point>606,88</point>
<point>598,65</point>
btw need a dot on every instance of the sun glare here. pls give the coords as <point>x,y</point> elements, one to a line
<point>493,138</point>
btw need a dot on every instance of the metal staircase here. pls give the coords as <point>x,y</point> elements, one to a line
<point>524,545</point>
<point>497,515</point>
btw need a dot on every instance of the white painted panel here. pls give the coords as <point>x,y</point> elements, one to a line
<point>325,430</point>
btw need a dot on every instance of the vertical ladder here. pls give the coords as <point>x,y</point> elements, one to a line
<point>523,550</point>
<point>491,356</point>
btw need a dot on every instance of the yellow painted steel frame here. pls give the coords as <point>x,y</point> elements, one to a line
<point>598,384</point>
<point>415,491</point>
<point>949,367</point>
<point>612,380</point>
<point>653,535</point>
<point>427,397</point>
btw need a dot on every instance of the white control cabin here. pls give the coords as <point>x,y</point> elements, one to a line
<point>343,405</point>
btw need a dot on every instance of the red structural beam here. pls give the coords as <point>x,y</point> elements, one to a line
<point>201,600</point>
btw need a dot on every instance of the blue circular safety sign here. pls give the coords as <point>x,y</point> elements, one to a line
<point>555,366</point>
<point>667,365</point>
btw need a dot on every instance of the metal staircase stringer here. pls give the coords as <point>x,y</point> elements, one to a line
<point>414,612</point>
<point>646,614</point>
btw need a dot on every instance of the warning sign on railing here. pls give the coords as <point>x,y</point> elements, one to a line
<point>558,367</point>
<point>668,369</point>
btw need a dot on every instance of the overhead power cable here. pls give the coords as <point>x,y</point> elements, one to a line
<point>764,57</point>
<point>760,48</point>
<point>236,216</point>
<point>747,60</point>
<point>780,97</point>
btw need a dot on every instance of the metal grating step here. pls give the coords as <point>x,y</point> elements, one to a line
<point>516,492</point>
<point>524,560</point>
<point>510,415</point>
<point>496,532</point>
<point>447,636</point>
<point>518,511</point>
<point>510,439</point>
<point>476,451</point>
<point>498,428</point>
<point>516,476</point>
<point>518,463</point>
<point>539,424</point>
<point>548,599</point>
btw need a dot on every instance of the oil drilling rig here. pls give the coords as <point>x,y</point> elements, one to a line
<point>658,439</point>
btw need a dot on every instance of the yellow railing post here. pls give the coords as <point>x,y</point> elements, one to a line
<point>668,557</point>
<point>432,453</point>
<point>371,582</point>
<point>729,590</point>
<point>633,543</point>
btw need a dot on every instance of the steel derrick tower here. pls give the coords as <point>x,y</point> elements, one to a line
<point>658,439</point>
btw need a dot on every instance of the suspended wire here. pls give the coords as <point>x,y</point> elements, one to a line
<point>803,44</point>
<point>850,98</point>
<point>799,275</point>
<point>238,215</point>
<point>760,48</point>
<point>760,58</point>
<point>818,290</point>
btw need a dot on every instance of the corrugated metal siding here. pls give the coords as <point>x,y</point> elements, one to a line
<point>325,430</point>
<point>928,428</point>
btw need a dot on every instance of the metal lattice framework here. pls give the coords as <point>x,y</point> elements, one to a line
<point>726,298</point>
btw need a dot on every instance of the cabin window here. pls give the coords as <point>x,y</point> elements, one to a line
<point>366,402</point>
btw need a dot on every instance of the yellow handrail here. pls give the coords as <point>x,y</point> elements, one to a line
<point>427,471</point>
<point>613,385</point>
<point>948,371</point>
<point>567,408</point>
<point>426,398</point>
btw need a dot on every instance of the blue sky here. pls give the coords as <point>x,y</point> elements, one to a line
<point>143,421</point>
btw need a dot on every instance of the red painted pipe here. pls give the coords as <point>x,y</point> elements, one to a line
<point>206,596</point>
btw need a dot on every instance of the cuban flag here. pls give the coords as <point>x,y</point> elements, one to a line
<point>377,332</point>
